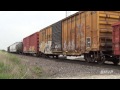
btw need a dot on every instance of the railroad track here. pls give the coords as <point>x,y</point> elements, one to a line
<point>107,64</point>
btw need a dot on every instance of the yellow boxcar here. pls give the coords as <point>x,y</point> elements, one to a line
<point>45,40</point>
<point>50,40</point>
<point>88,32</point>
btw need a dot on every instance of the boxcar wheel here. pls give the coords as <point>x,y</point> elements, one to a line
<point>56,56</point>
<point>92,58</point>
<point>87,58</point>
<point>46,56</point>
<point>101,60</point>
<point>116,62</point>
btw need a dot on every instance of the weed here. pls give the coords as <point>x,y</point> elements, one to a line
<point>37,71</point>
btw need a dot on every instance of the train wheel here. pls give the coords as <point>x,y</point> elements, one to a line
<point>115,61</point>
<point>53,56</point>
<point>43,55</point>
<point>92,58</point>
<point>56,56</point>
<point>47,56</point>
<point>87,58</point>
<point>37,54</point>
<point>101,60</point>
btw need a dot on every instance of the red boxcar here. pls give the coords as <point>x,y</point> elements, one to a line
<point>31,44</point>
<point>116,38</point>
<point>26,45</point>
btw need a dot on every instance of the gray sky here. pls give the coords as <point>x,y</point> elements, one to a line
<point>15,25</point>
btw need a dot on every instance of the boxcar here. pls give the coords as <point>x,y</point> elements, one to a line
<point>116,39</point>
<point>50,40</point>
<point>31,44</point>
<point>89,33</point>
<point>16,47</point>
<point>45,40</point>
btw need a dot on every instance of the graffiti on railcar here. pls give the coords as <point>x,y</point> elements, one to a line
<point>48,47</point>
<point>42,47</point>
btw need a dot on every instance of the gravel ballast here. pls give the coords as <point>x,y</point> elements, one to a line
<point>72,69</point>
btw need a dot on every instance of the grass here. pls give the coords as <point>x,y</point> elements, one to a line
<point>11,67</point>
<point>5,76</point>
<point>4,68</point>
<point>37,71</point>
<point>14,59</point>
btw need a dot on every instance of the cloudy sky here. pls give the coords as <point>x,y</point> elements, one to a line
<point>15,25</point>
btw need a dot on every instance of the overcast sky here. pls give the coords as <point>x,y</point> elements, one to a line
<point>15,25</point>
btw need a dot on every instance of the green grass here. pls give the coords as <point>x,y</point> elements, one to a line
<point>5,76</point>
<point>4,68</point>
<point>5,71</point>
<point>37,71</point>
<point>12,67</point>
<point>14,59</point>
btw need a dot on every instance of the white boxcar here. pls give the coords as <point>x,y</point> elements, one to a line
<point>16,47</point>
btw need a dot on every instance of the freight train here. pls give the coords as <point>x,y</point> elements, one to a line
<point>87,33</point>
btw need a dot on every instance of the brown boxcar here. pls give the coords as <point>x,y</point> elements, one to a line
<point>50,41</point>
<point>116,38</point>
<point>45,41</point>
<point>31,44</point>
<point>26,45</point>
<point>89,33</point>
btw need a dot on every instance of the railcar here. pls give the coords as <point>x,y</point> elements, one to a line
<point>89,33</point>
<point>31,44</point>
<point>16,48</point>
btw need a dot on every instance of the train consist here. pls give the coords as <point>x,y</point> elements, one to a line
<point>87,33</point>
